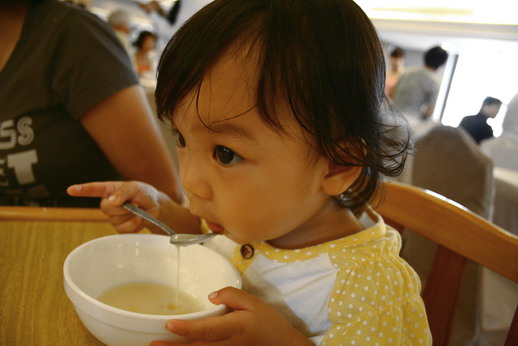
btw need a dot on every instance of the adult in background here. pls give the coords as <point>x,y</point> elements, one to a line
<point>71,108</point>
<point>143,57</point>
<point>169,21</point>
<point>476,125</point>
<point>395,70</point>
<point>416,91</point>
<point>120,22</point>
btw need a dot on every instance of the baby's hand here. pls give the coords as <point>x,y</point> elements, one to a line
<point>252,322</point>
<point>114,193</point>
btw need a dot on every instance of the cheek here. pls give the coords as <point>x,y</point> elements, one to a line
<point>266,207</point>
<point>244,206</point>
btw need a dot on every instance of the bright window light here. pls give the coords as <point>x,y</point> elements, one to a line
<point>481,72</point>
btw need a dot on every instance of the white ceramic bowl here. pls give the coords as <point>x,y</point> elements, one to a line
<point>106,262</point>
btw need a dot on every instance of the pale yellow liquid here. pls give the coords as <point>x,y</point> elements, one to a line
<point>178,288</point>
<point>151,298</point>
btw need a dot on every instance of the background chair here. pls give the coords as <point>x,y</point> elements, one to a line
<point>460,235</point>
<point>502,150</point>
<point>448,161</point>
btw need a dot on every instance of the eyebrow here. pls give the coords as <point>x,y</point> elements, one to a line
<point>228,129</point>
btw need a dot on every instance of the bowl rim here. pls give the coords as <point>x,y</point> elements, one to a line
<point>130,314</point>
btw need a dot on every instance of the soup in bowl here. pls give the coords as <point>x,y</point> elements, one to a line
<point>125,287</point>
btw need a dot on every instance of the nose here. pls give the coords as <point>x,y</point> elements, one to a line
<point>194,177</point>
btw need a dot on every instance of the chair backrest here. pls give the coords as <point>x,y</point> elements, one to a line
<point>502,150</point>
<point>51,214</point>
<point>460,235</point>
<point>449,162</point>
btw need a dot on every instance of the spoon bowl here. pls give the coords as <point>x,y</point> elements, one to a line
<point>182,239</point>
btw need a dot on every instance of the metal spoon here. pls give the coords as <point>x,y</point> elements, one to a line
<point>181,239</point>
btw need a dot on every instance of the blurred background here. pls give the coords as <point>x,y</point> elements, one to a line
<point>481,38</point>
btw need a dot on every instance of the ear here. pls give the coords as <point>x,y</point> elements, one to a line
<point>339,178</point>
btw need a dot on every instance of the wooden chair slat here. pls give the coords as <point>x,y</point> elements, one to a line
<point>441,292</point>
<point>460,235</point>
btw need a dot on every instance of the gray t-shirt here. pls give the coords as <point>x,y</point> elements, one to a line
<point>415,90</point>
<point>66,61</point>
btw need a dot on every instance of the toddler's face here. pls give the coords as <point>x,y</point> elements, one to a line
<point>246,180</point>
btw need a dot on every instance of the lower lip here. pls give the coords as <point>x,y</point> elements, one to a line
<point>214,227</point>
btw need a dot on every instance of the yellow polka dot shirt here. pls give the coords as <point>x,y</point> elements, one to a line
<point>351,291</point>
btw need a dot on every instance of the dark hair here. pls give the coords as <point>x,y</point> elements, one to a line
<point>322,56</point>
<point>142,37</point>
<point>489,101</point>
<point>435,57</point>
<point>397,53</point>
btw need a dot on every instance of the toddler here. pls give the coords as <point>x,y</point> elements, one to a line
<point>276,105</point>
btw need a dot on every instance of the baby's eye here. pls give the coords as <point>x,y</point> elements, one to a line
<point>226,156</point>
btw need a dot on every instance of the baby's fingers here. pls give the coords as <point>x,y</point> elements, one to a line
<point>123,220</point>
<point>208,330</point>
<point>127,223</point>
<point>114,193</point>
<point>95,189</point>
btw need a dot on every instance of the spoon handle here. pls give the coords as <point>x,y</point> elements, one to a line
<point>144,214</point>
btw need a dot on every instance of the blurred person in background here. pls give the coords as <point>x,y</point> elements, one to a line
<point>476,125</point>
<point>395,70</point>
<point>71,108</point>
<point>120,22</point>
<point>145,62</point>
<point>416,91</point>
<point>169,21</point>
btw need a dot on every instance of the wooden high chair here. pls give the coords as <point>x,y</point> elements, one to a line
<point>460,235</point>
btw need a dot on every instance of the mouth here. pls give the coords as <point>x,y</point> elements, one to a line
<point>214,227</point>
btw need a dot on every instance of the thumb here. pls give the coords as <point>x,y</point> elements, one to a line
<point>234,299</point>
